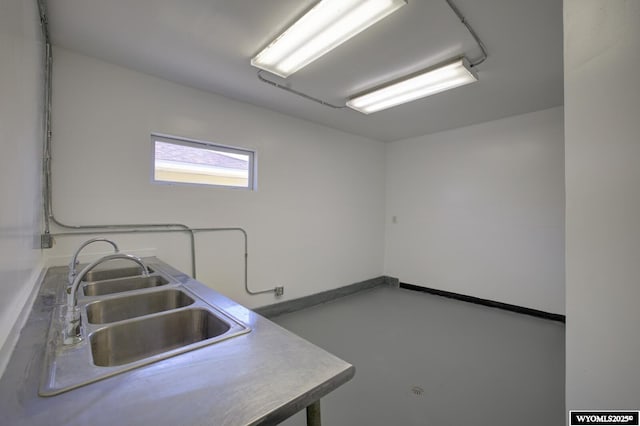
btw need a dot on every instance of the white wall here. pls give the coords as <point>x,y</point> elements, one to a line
<point>20,141</point>
<point>602,132</point>
<point>480,210</point>
<point>315,223</point>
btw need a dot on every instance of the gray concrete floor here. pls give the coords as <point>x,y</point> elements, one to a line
<point>468,364</point>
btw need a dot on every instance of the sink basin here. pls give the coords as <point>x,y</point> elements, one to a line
<point>123,329</point>
<point>99,288</point>
<point>128,342</point>
<point>108,274</point>
<point>121,308</point>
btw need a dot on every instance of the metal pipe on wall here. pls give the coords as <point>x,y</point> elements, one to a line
<point>278,290</point>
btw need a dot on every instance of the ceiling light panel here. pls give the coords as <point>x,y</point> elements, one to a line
<point>434,80</point>
<point>324,27</point>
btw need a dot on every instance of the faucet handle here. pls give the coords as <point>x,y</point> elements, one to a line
<point>72,271</point>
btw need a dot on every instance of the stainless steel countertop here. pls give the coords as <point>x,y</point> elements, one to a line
<point>261,377</point>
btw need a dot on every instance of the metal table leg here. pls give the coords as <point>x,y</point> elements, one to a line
<point>313,414</point>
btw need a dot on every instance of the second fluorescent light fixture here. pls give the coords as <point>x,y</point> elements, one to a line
<point>429,82</point>
<point>324,27</point>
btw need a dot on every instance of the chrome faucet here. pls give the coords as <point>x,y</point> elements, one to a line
<point>72,333</point>
<point>74,260</point>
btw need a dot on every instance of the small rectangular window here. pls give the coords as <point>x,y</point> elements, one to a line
<point>205,163</point>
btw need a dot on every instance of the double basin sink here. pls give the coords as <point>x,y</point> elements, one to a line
<point>130,320</point>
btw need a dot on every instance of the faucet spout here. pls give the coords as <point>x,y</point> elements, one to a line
<point>72,330</point>
<point>74,260</point>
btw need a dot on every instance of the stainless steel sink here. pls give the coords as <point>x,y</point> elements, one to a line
<point>143,338</point>
<point>127,323</point>
<point>108,274</point>
<point>122,308</point>
<point>100,288</point>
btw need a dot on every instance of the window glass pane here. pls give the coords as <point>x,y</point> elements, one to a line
<point>185,162</point>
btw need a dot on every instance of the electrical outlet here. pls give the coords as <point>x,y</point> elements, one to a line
<point>279,291</point>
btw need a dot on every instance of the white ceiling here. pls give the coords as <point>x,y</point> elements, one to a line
<point>207,44</point>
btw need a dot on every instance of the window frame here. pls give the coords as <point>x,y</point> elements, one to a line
<point>212,146</point>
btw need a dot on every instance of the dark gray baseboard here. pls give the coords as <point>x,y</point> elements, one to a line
<point>288,306</point>
<point>486,302</point>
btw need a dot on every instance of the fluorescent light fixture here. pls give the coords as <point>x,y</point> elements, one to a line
<point>425,83</point>
<point>324,27</point>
